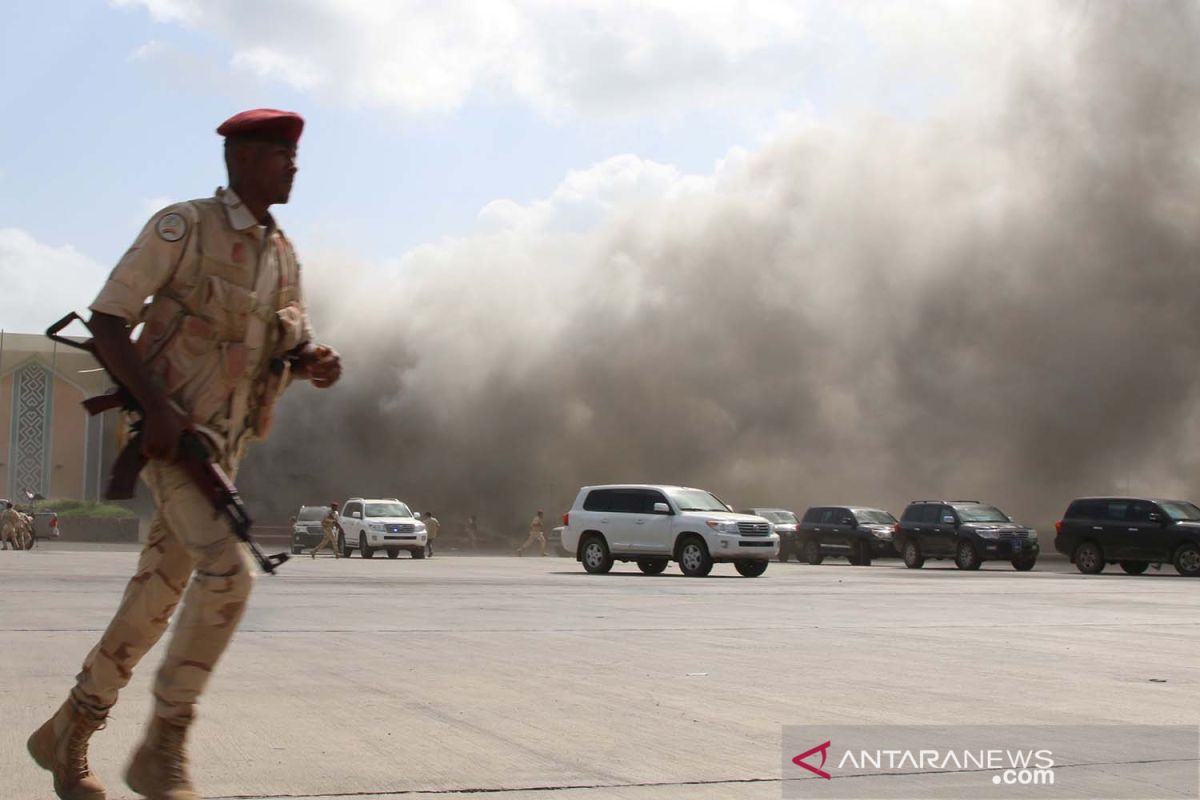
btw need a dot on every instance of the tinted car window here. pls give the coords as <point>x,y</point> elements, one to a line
<point>1140,511</point>
<point>1086,509</point>
<point>351,508</point>
<point>929,513</point>
<point>647,498</point>
<point>912,514</point>
<point>1181,510</point>
<point>311,514</point>
<point>1116,510</point>
<point>870,516</point>
<point>826,516</point>
<point>631,501</point>
<point>599,500</point>
<point>842,516</point>
<point>812,514</point>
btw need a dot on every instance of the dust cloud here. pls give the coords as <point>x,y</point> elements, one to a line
<point>997,300</point>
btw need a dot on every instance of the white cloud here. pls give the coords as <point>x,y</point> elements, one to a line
<point>608,58</point>
<point>42,282</point>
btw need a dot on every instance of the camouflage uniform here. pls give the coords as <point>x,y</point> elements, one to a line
<point>537,533</point>
<point>432,526</point>
<point>329,524</point>
<point>10,528</point>
<point>27,531</point>
<point>210,334</point>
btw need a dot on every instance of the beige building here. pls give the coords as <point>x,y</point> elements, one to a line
<point>48,442</point>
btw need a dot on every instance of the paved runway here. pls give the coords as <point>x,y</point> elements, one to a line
<point>526,678</point>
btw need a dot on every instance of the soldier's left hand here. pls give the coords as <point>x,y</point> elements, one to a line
<point>321,364</point>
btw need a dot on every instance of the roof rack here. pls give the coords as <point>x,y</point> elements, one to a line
<point>945,501</point>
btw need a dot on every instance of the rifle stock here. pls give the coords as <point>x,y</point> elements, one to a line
<point>194,455</point>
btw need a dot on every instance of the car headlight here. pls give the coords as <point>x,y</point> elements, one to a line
<point>377,526</point>
<point>722,526</point>
<point>1032,534</point>
<point>987,534</point>
<point>882,533</point>
<point>420,527</point>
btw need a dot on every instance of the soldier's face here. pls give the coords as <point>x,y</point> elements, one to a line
<point>271,170</point>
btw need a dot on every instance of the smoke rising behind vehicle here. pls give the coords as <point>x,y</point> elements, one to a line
<point>996,300</point>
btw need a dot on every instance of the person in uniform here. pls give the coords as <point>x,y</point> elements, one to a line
<point>537,533</point>
<point>27,539</point>
<point>471,530</point>
<point>224,333</point>
<point>10,527</point>
<point>330,524</point>
<point>432,526</point>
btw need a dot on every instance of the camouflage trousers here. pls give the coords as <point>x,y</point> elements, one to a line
<point>11,535</point>
<point>187,540</point>
<point>535,536</point>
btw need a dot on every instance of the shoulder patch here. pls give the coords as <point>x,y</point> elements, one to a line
<point>171,227</point>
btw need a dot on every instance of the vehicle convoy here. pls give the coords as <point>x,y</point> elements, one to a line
<point>306,528</point>
<point>1134,532</point>
<point>783,522</point>
<point>653,525</point>
<point>967,531</point>
<point>385,524</point>
<point>856,533</point>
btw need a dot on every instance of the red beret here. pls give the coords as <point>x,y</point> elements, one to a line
<point>264,123</point>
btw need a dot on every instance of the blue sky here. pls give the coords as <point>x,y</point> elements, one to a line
<point>117,102</point>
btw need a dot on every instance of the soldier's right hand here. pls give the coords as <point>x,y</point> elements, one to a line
<point>162,429</point>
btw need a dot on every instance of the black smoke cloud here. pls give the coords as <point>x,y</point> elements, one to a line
<point>996,302</point>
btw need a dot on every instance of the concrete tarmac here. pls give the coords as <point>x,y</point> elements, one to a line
<point>527,679</point>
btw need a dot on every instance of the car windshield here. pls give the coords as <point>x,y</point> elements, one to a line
<point>974,513</point>
<point>780,517</point>
<point>1181,510</point>
<point>696,500</point>
<point>311,513</point>
<point>388,509</point>
<point>871,516</point>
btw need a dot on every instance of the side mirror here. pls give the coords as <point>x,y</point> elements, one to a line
<point>356,514</point>
<point>853,523</point>
<point>947,520</point>
<point>662,508</point>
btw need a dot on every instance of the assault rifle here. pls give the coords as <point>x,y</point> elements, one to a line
<point>194,455</point>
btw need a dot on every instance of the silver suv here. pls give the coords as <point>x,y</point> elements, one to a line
<point>654,525</point>
<point>381,524</point>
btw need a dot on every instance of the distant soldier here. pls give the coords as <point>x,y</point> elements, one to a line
<point>471,530</point>
<point>27,530</point>
<point>10,527</point>
<point>432,526</point>
<point>537,533</point>
<point>329,524</point>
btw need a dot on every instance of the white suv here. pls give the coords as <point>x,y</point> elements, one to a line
<point>654,525</point>
<point>387,524</point>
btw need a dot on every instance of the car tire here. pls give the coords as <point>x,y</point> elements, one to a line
<point>343,546</point>
<point>653,566</point>
<point>595,556</point>
<point>393,552</point>
<point>418,554</point>
<point>366,552</point>
<point>694,558</point>
<point>912,555</point>
<point>1135,567</point>
<point>1023,564</point>
<point>751,567</point>
<point>297,550</point>
<point>966,556</point>
<point>812,552</point>
<point>1089,558</point>
<point>1187,560</point>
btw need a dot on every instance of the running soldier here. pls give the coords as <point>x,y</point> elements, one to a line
<point>329,524</point>
<point>537,533</point>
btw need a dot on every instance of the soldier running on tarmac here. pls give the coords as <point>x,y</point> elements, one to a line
<point>537,533</point>
<point>432,527</point>
<point>11,525</point>
<point>329,524</point>
<point>225,332</point>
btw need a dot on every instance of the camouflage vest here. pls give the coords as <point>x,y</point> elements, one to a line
<point>215,333</point>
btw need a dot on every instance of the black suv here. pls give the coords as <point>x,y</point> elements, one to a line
<point>1131,531</point>
<point>853,532</point>
<point>967,531</point>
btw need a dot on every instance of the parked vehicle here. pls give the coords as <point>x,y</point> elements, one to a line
<point>554,542</point>
<point>306,528</point>
<point>968,531</point>
<point>1134,532</point>
<point>654,525</point>
<point>856,533</point>
<point>783,522</point>
<point>380,524</point>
